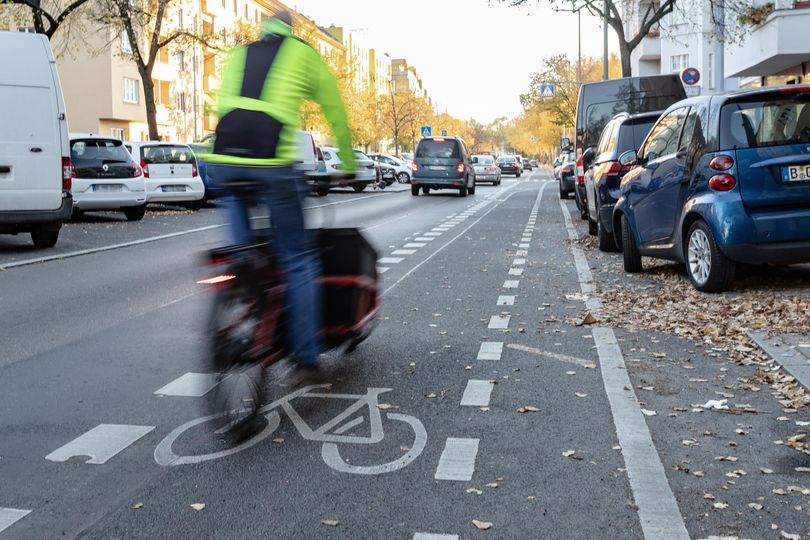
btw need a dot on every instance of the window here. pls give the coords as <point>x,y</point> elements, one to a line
<point>167,153</point>
<point>118,133</point>
<point>438,148</point>
<point>688,130</point>
<point>130,90</point>
<point>246,11</point>
<point>663,139</point>
<point>604,140</point>
<point>162,92</point>
<point>769,122</point>
<point>678,62</point>
<point>179,61</point>
<point>125,45</point>
<point>710,71</point>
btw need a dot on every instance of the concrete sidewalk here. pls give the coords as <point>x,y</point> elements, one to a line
<point>791,351</point>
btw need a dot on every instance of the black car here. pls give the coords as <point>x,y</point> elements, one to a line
<point>442,163</point>
<point>527,164</point>
<point>604,175</point>
<point>510,165</point>
<point>600,101</point>
<point>566,173</point>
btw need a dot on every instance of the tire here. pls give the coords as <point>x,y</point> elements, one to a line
<point>425,190</point>
<point>607,242</point>
<point>593,227</point>
<point>135,213</point>
<point>322,191</point>
<point>43,237</point>
<point>630,253</point>
<point>359,187</point>
<point>403,178</point>
<point>194,205</point>
<point>563,194</point>
<point>708,268</point>
<point>472,189</point>
<point>517,175</point>
<point>462,191</point>
<point>414,190</point>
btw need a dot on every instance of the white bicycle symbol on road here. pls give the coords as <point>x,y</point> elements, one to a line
<point>331,434</point>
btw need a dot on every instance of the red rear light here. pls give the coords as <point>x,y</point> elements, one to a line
<point>580,171</point>
<point>721,162</point>
<point>460,168</point>
<point>145,169</point>
<point>438,139</point>
<point>798,89</point>
<point>414,167</point>
<point>615,168</point>
<point>68,173</point>
<point>722,182</point>
<point>194,172</point>
<point>138,170</point>
<point>566,168</point>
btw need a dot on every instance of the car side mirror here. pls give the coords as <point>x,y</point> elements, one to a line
<point>588,156</point>
<point>628,159</point>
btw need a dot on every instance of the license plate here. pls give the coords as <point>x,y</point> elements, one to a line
<point>436,168</point>
<point>796,173</point>
<point>107,188</point>
<point>172,189</point>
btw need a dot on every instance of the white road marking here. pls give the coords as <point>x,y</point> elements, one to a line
<point>505,300</point>
<point>490,350</point>
<point>433,234</point>
<point>440,229</point>
<point>403,252</point>
<point>516,271</point>
<point>458,460</point>
<point>523,246</point>
<point>552,355</point>
<point>432,536</point>
<point>100,443</point>
<point>425,238</point>
<point>382,269</point>
<point>189,385</point>
<point>511,284</point>
<point>518,262</point>
<point>391,260</point>
<point>658,510</point>
<point>10,516</point>
<point>477,393</point>
<point>499,322</point>
<point>521,253</point>
<point>415,245</point>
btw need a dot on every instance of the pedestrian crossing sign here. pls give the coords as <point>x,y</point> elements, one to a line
<point>426,131</point>
<point>546,90</point>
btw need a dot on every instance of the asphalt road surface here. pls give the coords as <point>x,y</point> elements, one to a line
<point>478,407</point>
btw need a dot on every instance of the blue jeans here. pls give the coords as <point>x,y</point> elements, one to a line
<point>282,194</point>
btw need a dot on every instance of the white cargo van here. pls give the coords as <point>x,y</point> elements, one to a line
<point>35,168</point>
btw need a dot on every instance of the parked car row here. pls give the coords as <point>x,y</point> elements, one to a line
<point>708,181</point>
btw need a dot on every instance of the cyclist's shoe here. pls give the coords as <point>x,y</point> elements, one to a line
<point>306,375</point>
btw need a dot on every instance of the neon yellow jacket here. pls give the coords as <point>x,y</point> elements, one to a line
<point>263,85</point>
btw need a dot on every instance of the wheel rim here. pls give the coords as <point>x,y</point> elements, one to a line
<point>700,256</point>
<point>403,178</point>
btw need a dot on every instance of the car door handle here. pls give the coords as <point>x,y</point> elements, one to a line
<point>36,150</point>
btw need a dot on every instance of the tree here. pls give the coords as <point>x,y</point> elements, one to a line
<point>47,19</point>
<point>398,112</point>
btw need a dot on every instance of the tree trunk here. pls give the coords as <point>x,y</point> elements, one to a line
<point>149,102</point>
<point>396,142</point>
<point>624,52</point>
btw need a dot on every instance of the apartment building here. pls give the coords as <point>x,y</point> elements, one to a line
<point>404,78</point>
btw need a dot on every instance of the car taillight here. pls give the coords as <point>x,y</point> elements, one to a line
<point>138,170</point>
<point>145,169</point>
<point>194,172</point>
<point>460,168</point>
<point>438,139</point>
<point>721,162</point>
<point>566,168</point>
<point>414,167</point>
<point>614,169</point>
<point>68,173</point>
<point>580,171</point>
<point>722,182</point>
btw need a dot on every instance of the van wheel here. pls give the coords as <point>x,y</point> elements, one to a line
<point>472,189</point>
<point>322,191</point>
<point>632,258</point>
<point>194,205</point>
<point>563,193</point>
<point>44,237</point>
<point>462,191</point>
<point>135,213</point>
<point>425,190</point>
<point>359,187</point>
<point>708,268</point>
<point>415,190</point>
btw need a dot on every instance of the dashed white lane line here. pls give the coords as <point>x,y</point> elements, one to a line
<point>10,516</point>
<point>499,322</point>
<point>505,300</point>
<point>432,234</point>
<point>658,510</point>
<point>518,262</point>
<point>477,393</point>
<point>403,252</point>
<point>490,350</point>
<point>516,271</point>
<point>382,269</point>
<point>431,536</point>
<point>523,246</point>
<point>189,385</point>
<point>415,245</point>
<point>511,284</point>
<point>521,253</point>
<point>391,260</point>
<point>425,238</point>
<point>457,461</point>
<point>100,443</point>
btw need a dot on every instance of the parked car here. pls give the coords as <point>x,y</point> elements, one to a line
<point>402,169</point>
<point>510,165</point>
<point>721,180</point>
<point>565,173</point>
<point>306,152</point>
<point>170,173</point>
<point>200,150</point>
<point>600,101</point>
<point>106,176</point>
<point>603,178</point>
<point>442,163</point>
<point>486,170</point>
<point>533,162</point>
<point>365,174</point>
<point>35,168</point>
<point>386,174</point>
<point>527,164</point>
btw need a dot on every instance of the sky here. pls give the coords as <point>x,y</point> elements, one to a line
<point>475,57</point>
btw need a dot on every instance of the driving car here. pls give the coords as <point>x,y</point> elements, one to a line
<point>106,176</point>
<point>170,173</point>
<point>603,177</point>
<point>402,169</point>
<point>510,165</point>
<point>565,172</point>
<point>486,170</point>
<point>442,163</point>
<point>721,180</point>
<point>365,173</point>
<point>533,162</point>
<point>527,164</point>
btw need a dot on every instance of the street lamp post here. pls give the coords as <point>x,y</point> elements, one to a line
<point>578,11</point>
<point>604,43</point>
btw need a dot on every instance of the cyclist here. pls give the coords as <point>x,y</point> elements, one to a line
<point>259,101</point>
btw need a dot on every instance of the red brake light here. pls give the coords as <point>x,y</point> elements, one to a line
<point>721,162</point>
<point>615,168</point>
<point>68,173</point>
<point>438,139</point>
<point>138,170</point>
<point>460,168</point>
<point>566,168</point>
<point>722,182</point>
<point>414,167</point>
<point>145,169</point>
<point>796,89</point>
<point>194,172</point>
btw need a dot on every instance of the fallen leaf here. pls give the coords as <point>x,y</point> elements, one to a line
<point>431,395</point>
<point>789,536</point>
<point>690,442</point>
<point>278,440</point>
<point>720,505</point>
<point>779,491</point>
<point>527,408</point>
<point>699,474</point>
<point>755,506</point>
<point>647,412</point>
<point>588,319</point>
<point>580,394</point>
<point>570,372</point>
<point>569,453</point>
<point>330,522</point>
<point>485,409</point>
<point>492,485</point>
<point>766,471</point>
<point>137,506</point>
<point>802,469</point>
<point>482,525</point>
<point>708,496</point>
<point>473,490</point>
<point>726,458</point>
<point>198,506</point>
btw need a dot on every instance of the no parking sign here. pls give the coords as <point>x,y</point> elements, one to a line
<point>690,76</point>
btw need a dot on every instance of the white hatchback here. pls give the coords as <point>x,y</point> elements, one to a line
<point>170,173</point>
<point>105,176</point>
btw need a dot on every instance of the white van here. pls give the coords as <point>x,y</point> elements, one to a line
<point>35,168</point>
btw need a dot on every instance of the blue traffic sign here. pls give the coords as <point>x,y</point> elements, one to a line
<point>690,76</point>
<point>426,131</point>
<point>444,133</point>
<point>547,90</point>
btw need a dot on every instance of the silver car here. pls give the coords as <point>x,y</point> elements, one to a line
<point>486,170</point>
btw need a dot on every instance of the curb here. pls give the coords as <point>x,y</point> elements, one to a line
<point>794,362</point>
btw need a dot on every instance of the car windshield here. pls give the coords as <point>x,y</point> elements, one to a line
<point>770,122</point>
<point>167,153</point>
<point>97,152</point>
<point>631,135</point>
<point>438,148</point>
<point>485,160</point>
<point>506,159</point>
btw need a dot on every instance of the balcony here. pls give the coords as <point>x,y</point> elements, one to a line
<point>777,44</point>
<point>650,47</point>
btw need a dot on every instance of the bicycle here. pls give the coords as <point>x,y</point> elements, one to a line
<point>246,325</point>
